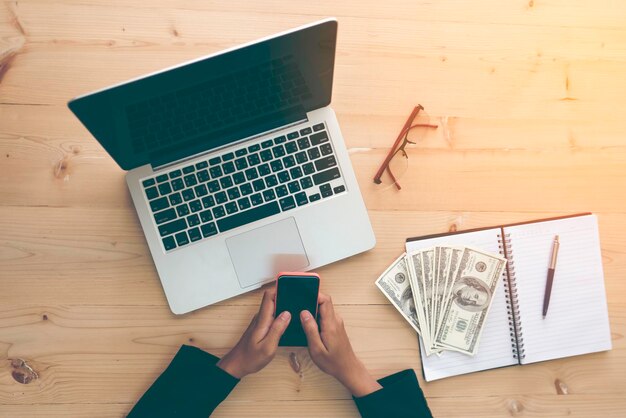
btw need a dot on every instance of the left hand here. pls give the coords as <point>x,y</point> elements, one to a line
<point>259,342</point>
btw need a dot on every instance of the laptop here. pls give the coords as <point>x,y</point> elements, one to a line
<point>236,165</point>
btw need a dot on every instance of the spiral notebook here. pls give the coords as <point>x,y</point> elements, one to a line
<point>515,332</point>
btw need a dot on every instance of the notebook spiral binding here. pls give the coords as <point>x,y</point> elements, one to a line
<point>512,300</point>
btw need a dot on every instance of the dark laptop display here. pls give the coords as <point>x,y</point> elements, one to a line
<point>208,103</point>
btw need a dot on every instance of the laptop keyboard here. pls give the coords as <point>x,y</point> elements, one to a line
<point>243,186</point>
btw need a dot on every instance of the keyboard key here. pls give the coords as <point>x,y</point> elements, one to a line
<point>251,174</point>
<point>241,163</point>
<point>208,201</point>
<point>283,177</point>
<point>165,216</point>
<point>193,220</point>
<point>294,187</point>
<point>244,203</point>
<point>190,180</point>
<point>169,243</point>
<point>276,165</point>
<point>208,230</point>
<point>253,159</point>
<point>266,155</point>
<point>287,203</point>
<point>264,170</point>
<point>239,178</point>
<point>319,138</point>
<point>189,169</point>
<point>194,234</point>
<point>291,147</point>
<point>326,190</point>
<point>326,149</point>
<point>178,184</point>
<point>159,204</point>
<point>216,172</point>
<point>201,165</point>
<point>203,175</point>
<point>278,151</point>
<point>303,143</point>
<point>188,195</point>
<point>254,148</point>
<point>228,167</point>
<point>293,135</point>
<point>195,206</point>
<point>182,239</point>
<point>221,198</point>
<point>218,212</point>
<point>256,199</point>
<point>266,144</point>
<point>313,153</point>
<point>213,186</point>
<point>215,160</point>
<point>315,197</point>
<point>301,199</point>
<point>246,189</point>
<point>326,176</point>
<point>152,193</point>
<point>280,139</point>
<point>271,181</point>
<point>201,190</point>
<point>248,216</point>
<point>305,131</point>
<point>161,178</point>
<point>206,216</point>
<point>339,189</point>
<point>227,157</point>
<point>241,152</point>
<point>148,182</point>
<point>306,182</point>
<point>182,210</point>
<point>175,199</point>
<point>233,193</point>
<point>308,168</point>
<point>175,174</point>
<point>325,162</point>
<point>296,173</point>
<point>301,157</point>
<point>231,207</point>
<point>258,185</point>
<point>226,182</point>
<point>269,195</point>
<point>281,191</point>
<point>318,127</point>
<point>289,161</point>
<point>172,227</point>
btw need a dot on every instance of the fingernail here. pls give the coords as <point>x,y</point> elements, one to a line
<point>285,316</point>
<point>305,315</point>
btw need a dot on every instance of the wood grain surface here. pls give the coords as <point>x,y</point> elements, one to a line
<point>528,97</point>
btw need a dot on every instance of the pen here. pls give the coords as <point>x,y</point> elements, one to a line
<point>546,296</point>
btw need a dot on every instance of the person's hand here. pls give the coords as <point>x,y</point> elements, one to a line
<point>332,352</point>
<point>259,342</point>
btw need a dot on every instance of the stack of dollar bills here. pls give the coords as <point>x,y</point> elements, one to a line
<point>445,293</point>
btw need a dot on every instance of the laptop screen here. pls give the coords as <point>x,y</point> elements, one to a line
<point>214,101</point>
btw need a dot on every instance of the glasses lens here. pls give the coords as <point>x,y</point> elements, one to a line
<point>398,166</point>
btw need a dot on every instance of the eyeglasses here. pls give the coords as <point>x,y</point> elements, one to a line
<point>397,161</point>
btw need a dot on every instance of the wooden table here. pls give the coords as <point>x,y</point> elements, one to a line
<point>529,97</point>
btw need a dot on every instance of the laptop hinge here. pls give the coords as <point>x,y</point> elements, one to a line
<point>156,168</point>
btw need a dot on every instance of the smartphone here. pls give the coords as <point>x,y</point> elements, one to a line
<point>296,292</point>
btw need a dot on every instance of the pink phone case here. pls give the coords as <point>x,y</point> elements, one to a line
<point>296,273</point>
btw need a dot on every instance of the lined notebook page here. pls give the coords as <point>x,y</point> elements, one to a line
<point>577,321</point>
<point>495,342</point>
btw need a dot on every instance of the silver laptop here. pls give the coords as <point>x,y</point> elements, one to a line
<point>236,165</point>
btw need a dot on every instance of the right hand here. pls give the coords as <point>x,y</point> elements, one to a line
<point>331,351</point>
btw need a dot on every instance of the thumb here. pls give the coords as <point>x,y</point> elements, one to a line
<point>312,333</point>
<point>277,329</point>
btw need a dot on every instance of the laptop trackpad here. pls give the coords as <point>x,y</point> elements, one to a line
<point>260,254</point>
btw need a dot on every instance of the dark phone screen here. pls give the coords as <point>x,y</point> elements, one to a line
<point>295,294</point>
